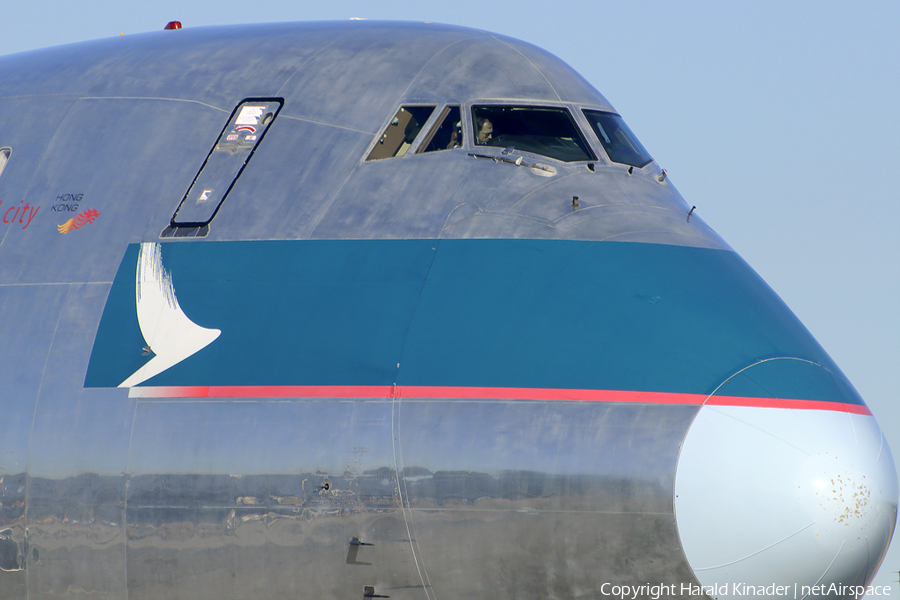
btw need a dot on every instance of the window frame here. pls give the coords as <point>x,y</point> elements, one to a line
<point>633,139</point>
<point>384,129</point>
<point>571,111</point>
<point>6,153</point>
<point>436,125</point>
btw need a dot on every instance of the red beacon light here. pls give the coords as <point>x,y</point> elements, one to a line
<point>173,25</point>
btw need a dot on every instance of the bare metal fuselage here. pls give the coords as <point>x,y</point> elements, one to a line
<point>451,373</point>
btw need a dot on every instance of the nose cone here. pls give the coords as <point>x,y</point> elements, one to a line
<point>786,496</point>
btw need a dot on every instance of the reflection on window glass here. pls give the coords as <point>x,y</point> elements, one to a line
<point>234,147</point>
<point>617,139</point>
<point>542,130</point>
<point>4,158</point>
<point>448,135</point>
<point>401,132</point>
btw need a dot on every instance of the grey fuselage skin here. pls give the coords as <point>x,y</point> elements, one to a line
<point>105,493</point>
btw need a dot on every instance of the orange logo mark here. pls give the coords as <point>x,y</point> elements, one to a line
<point>79,220</point>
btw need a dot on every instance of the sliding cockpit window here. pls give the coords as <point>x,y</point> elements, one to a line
<point>448,134</point>
<point>617,139</point>
<point>401,132</point>
<point>548,131</point>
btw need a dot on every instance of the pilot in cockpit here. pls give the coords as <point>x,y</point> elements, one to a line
<point>455,137</point>
<point>484,131</point>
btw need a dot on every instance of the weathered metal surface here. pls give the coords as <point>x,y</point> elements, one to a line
<point>111,493</point>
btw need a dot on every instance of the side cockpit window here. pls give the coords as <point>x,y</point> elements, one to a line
<point>617,139</point>
<point>549,131</point>
<point>448,134</point>
<point>401,132</point>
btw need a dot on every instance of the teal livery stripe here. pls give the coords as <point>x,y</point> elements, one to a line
<point>535,314</point>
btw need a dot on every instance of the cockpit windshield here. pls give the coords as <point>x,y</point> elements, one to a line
<point>542,130</point>
<point>620,144</point>
<point>401,132</point>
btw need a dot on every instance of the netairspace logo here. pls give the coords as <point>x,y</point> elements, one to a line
<point>796,592</point>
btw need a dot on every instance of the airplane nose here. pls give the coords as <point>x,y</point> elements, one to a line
<point>800,494</point>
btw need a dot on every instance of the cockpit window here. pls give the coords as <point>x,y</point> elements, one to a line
<point>620,144</point>
<point>543,130</point>
<point>448,135</point>
<point>401,132</point>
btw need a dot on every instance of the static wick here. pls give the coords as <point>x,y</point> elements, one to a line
<point>690,212</point>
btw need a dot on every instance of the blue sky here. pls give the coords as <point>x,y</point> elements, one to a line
<point>779,121</point>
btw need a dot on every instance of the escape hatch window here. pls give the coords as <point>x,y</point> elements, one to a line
<point>448,134</point>
<point>232,151</point>
<point>401,132</point>
<point>4,158</point>
<point>620,144</point>
<point>549,131</point>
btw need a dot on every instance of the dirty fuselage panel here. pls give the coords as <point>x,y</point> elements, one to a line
<point>406,393</point>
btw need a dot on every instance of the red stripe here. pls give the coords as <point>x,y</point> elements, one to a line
<point>482,393</point>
